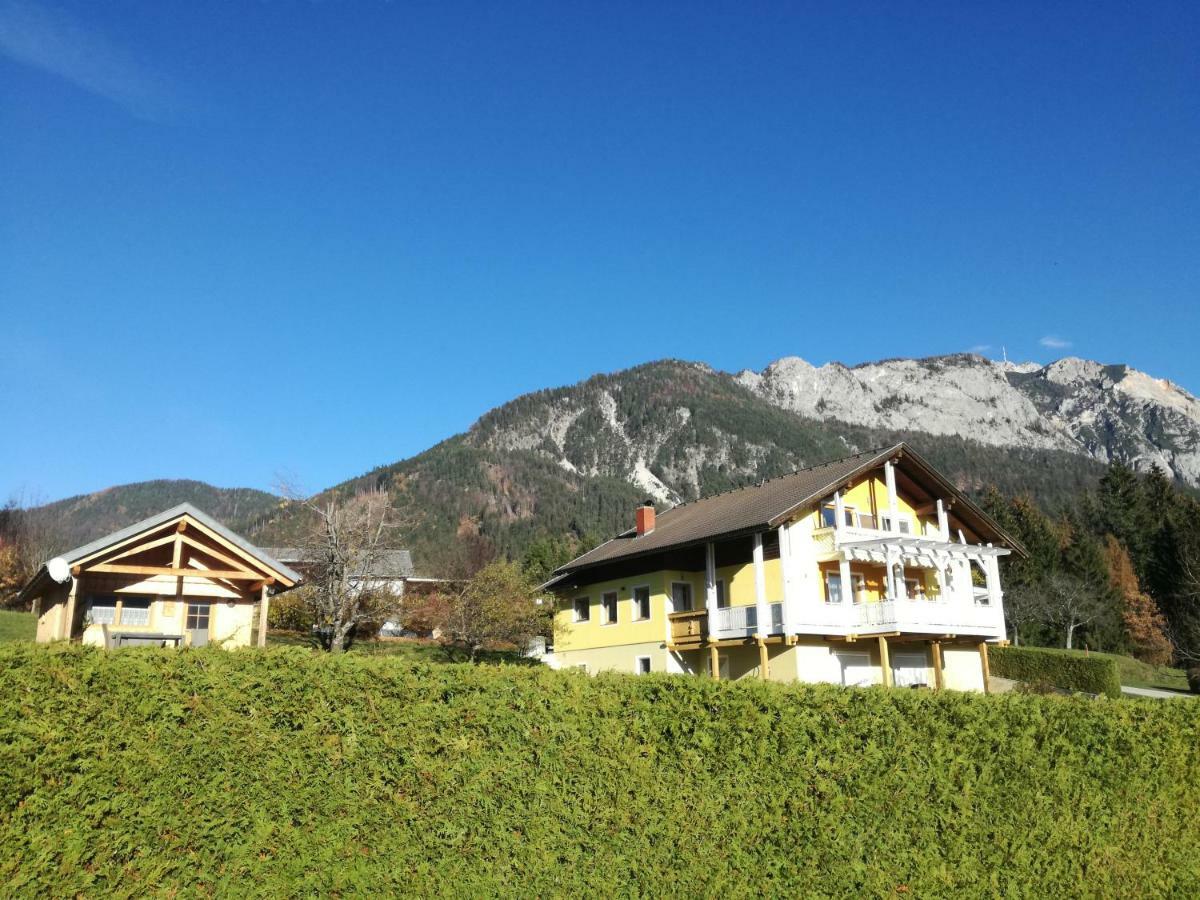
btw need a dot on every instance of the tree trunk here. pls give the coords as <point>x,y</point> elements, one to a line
<point>1070,635</point>
<point>337,640</point>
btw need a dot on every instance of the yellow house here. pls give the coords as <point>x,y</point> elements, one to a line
<point>177,578</point>
<point>873,569</point>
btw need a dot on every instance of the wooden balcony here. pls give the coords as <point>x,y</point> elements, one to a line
<point>688,628</point>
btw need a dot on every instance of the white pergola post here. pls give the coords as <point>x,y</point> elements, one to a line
<point>889,476</point>
<point>844,575</point>
<point>943,521</point>
<point>991,569</point>
<point>762,609</point>
<point>839,515</point>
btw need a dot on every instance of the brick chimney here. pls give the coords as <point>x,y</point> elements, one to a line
<point>645,518</point>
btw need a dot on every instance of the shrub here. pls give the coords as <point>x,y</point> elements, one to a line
<point>1063,669</point>
<point>292,773</point>
<point>1193,679</point>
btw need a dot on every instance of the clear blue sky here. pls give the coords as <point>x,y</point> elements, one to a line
<point>245,238</point>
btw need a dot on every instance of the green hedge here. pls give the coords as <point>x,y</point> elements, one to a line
<point>1061,668</point>
<point>284,772</point>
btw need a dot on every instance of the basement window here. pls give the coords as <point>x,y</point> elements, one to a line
<point>583,609</point>
<point>642,666</point>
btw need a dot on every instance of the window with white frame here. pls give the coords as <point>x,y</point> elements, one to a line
<point>833,587</point>
<point>583,609</point>
<point>829,515</point>
<point>608,608</point>
<point>860,587</point>
<point>135,611</point>
<point>641,602</point>
<point>102,610</point>
<point>681,596</point>
<point>642,665</point>
<point>903,522</point>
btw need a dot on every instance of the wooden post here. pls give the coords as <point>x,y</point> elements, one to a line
<point>262,616</point>
<point>763,671</point>
<point>983,660</point>
<point>714,662</point>
<point>936,648</point>
<point>885,662</point>
<point>69,610</point>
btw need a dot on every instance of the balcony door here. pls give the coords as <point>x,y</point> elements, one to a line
<point>198,617</point>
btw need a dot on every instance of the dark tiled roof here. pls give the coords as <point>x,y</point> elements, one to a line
<point>746,509</point>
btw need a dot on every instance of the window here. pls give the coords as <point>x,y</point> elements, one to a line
<point>833,587</point>
<point>641,602</point>
<point>829,515</point>
<point>860,587</point>
<point>197,617</point>
<point>866,520</point>
<point>681,596</point>
<point>608,608</point>
<point>583,610</point>
<point>770,542</point>
<point>722,599</point>
<point>903,523</point>
<point>135,611</point>
<point>915,588</point>
<point>102,610</point>
<point>642,665</point>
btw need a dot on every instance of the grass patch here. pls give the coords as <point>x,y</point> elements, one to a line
<point>17,626</point>
<point>413,650</point>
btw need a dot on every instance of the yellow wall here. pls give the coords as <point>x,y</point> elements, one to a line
<point>572,635</point>
<point>859,497</point>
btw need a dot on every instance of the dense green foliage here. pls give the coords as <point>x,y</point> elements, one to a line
<point>1072,671</point>
<point>17,626</point>
<point>1153,521</point>
<point>290,773</point>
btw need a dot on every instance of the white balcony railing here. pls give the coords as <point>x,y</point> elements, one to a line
<point>742,621</point>
<point>918,616</point>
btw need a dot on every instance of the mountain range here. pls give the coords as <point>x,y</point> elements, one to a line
<point>575,461</point>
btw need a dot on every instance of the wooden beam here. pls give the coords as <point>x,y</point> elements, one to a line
<point>885,662</point>
<point>262,614</point>
<point>220,557</point>
<point>983,660</point>
<point>110,569</point>
<point>266,582</point>
<point>763,659</point>
<point>142,548</point>
<point>714,662</point>
<point>239,552</point>
<point>182,526</point>
<point>936,651</point>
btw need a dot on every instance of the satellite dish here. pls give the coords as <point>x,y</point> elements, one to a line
<point>59,570</point>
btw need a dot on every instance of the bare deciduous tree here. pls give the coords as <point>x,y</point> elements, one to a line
<point>26,541</point>
<point>341,553</point>
<point>1072,604</point>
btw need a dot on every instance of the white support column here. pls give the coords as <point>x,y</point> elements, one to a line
<point>762,609</point>
<point>943,521</point>
<point>787,572</point>
<point>844,574</point>
<point>839,517</point>
<point>939,572</point>
<point>710,585</point>
<point>889,475</point>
